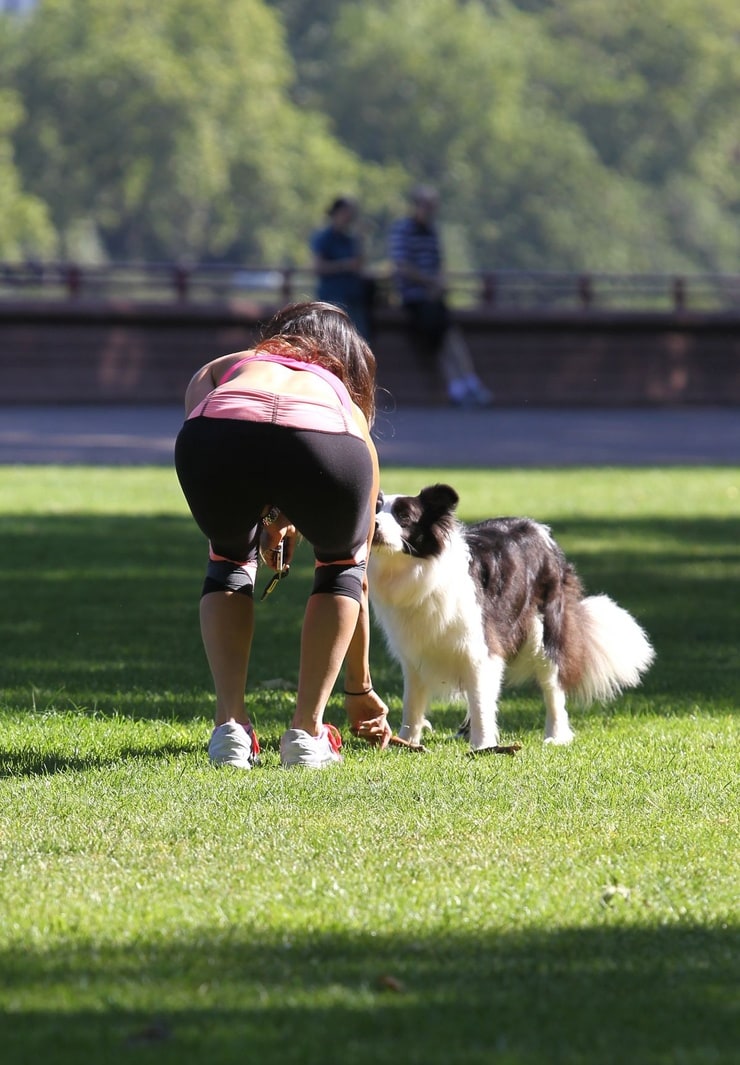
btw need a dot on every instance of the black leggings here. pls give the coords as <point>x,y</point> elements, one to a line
<point>230,469</point>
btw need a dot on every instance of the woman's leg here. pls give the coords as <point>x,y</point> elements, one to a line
<point>328,626</point>
<point>329,500</point>
<point>227,627</point>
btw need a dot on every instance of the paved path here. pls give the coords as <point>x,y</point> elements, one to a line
<point>122,435</point>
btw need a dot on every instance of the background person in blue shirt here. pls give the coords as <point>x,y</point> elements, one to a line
<point>338,262</point>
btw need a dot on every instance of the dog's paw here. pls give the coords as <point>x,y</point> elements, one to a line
<point>409,734</point>
<point>560,739</point>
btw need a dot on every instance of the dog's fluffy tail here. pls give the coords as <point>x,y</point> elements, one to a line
<point>616,651</point>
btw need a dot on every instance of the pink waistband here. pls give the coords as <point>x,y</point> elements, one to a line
<point>294,412</point>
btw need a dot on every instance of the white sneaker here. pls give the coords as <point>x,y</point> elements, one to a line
<point>234,744</point>
<point>299,748</point>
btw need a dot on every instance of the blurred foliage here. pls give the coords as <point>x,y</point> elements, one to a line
<point>566,136</point>
<point>167,130</point>
<point>25,222</point>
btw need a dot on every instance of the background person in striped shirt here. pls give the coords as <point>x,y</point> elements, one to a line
<point>418,272</point>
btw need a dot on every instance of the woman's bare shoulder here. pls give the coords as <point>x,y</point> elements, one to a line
<point>223,363</point>
<point>209,376</point>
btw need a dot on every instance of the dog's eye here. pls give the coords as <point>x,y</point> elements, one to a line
<point>403,515</point>
<point>379,503</point>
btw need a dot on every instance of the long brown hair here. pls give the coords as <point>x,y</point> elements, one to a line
<point>324,334</point>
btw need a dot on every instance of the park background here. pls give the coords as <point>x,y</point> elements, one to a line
<point>571,136</point>
<point>573,906</point>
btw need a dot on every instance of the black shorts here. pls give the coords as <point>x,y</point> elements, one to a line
<point>230,469</point>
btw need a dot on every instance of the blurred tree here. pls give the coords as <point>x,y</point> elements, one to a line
<point>26,231</point>
<point>459,106</point>
<point>578,134</point>
<point>309,26</point>
<point>169,127</point>
<point>655,88</point>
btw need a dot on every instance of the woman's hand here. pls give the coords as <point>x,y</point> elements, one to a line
<point>368,718</point>
<point>281,531</point>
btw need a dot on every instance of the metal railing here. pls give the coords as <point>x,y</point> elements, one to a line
<point>169,282</point>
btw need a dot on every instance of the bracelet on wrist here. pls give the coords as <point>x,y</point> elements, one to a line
<point>365,692</point>
<point>270,517</point>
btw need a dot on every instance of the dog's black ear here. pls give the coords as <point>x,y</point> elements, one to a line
<point>441,498</point>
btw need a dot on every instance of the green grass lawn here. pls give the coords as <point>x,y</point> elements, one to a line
<point>567,905</point>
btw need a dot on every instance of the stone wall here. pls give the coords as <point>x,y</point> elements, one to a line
<point>77,352</point>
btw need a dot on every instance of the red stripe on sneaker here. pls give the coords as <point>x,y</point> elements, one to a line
<point>253,736</point>
<point>334,737</point>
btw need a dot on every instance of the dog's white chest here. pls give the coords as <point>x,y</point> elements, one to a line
<point>430,617</point>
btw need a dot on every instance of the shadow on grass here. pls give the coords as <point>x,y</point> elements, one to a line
<point>30,763</point>
<point>600,995</point>
<point>104,609</point>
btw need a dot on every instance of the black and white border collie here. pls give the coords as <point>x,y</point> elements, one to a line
<point>461,606</point>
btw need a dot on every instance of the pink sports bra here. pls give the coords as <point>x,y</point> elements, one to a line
<point>295,364</point>
<point>297,412</point>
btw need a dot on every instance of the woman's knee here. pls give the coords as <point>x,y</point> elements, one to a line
<point>339,578</point>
